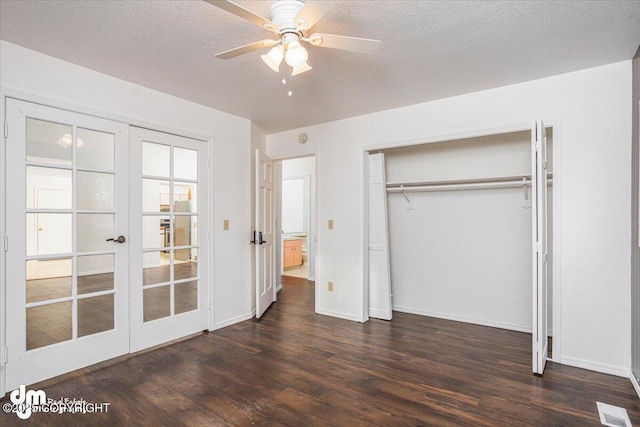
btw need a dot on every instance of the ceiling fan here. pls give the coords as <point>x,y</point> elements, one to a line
<point>291,22</point>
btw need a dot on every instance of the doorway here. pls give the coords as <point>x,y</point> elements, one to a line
<point>295,219</point>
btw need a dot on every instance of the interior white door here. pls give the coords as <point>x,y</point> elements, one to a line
<point>265,261</point>
<point>540,246</point>
<point>169,237</point>
<point>379,270</point>
<point>67,292</point>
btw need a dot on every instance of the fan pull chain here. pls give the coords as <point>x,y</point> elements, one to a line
<point>283,68</point>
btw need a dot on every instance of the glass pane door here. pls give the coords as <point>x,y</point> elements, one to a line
<point>168,276</point>
<point>67,288</point>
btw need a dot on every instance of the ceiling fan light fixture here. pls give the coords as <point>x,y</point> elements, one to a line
<point>296,55</point>
<point>274,58</point>
<point>301,69</point>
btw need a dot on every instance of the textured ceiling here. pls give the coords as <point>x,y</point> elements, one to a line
<point>430,50</point>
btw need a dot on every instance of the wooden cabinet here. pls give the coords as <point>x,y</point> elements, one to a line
<point>292,253</point>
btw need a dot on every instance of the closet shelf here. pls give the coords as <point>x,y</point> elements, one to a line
<point>470,184</point>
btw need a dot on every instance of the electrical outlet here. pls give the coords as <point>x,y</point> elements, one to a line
<point>330,224</point>
<point>330,287</point>
<point>225,224</point>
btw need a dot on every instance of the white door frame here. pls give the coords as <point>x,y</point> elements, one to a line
<point>6,92</point>
<point>313,212</point>
<point>556,125</point>
<point>3,214</point>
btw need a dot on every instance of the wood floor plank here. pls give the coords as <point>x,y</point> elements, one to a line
<point>296,368</point>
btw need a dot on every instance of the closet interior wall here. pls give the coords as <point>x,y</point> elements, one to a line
<point>465,254</point>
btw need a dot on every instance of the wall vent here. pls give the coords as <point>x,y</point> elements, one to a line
<point>613,416</point>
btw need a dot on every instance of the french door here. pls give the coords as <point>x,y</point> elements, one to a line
<point>67,205</point>
<point>107,240</point>
<point>169,243</point>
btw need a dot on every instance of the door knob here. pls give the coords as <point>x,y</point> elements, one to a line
<point>119,239</point>
<point>254,241</point>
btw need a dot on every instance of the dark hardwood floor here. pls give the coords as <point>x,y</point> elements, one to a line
<point>296,368</point>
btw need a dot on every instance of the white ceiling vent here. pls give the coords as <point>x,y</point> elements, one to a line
<point>613,416</point>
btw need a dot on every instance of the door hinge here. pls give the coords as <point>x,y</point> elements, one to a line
<point>6,243</point>
<point>6,355</point>
<point>6,129</point>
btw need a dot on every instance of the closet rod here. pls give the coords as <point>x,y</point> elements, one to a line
<point>517,178</point>
<point>463,186</point>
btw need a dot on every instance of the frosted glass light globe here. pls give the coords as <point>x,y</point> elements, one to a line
<point>296,54</point>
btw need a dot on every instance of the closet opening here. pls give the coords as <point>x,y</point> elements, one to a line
<point>295,220</point>
<point>459,231</point>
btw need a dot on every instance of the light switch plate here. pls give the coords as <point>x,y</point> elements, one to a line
<point>225,224</point>
<point>330,287</point>
<point>330,224</point>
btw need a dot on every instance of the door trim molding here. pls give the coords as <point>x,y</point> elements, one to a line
<point>314,233</point>
<point>3,214</point>
<point>635,221</point>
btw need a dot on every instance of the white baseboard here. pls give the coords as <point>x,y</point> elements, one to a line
<point>233,320</point>
<point>493,324</point>
<point>311,279</point>
<point>279,288</point>
<point>604,368</point>
<point>338,315</point>
<point>636,386</point>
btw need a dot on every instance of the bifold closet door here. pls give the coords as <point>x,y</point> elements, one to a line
<point>379,270</point>
<point>540,245</point>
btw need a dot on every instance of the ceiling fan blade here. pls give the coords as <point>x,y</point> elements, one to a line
<point>232,53</point>
<point>311,13</point>
<point>243,13</point>
<point>354,44</point>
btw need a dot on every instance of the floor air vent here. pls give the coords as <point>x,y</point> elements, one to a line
<point>613,416</point>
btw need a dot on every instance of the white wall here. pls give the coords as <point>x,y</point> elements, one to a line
<point>592,110</point>
<point>492,156</point>
<point>23,71</point>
